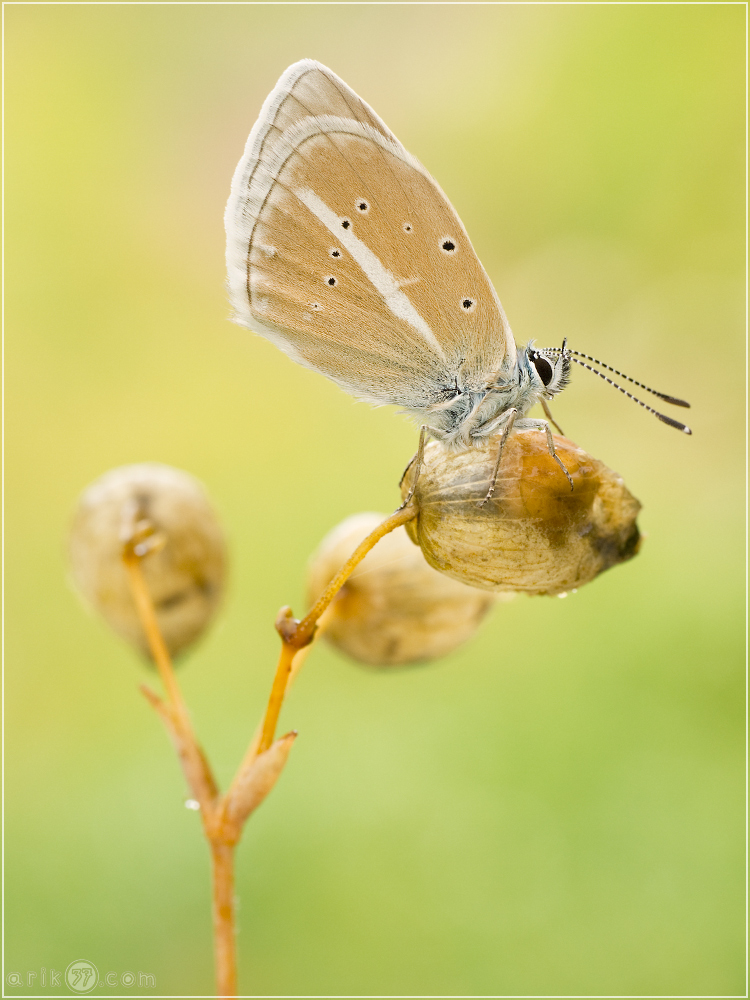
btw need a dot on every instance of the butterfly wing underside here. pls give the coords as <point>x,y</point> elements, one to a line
<point>344,252</point>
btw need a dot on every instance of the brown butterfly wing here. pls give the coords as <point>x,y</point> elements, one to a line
<point>345,253</point>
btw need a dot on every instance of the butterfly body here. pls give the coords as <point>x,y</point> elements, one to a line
<point>467,416</point>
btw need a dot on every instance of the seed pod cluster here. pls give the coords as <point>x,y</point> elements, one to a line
<point>535,534</point>
<point>185,571</point>
<point>394,609</point>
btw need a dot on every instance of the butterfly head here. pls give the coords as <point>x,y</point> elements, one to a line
<point>549,369</point>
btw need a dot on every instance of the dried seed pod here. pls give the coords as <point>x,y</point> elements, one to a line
<point>535,534</point>
<point>184,572</point>
<point>393,609</point>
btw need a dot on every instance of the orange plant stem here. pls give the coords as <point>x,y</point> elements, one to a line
<point>305,629</point>
<point>200,779</point>
<point>147,614</point>
<point>276,698</point>
<point>295,635</point>
<point>253,749</point>
<point>225,944</point>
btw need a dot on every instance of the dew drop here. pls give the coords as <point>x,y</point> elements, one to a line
<point>193,804</point>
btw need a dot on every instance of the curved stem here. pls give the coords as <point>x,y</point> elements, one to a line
<point>194,764</point>
<point>304,630</point>
<point>296,635</point>
<point>198,774</point>
<point>147,614</point>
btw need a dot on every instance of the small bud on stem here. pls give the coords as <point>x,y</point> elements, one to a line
<point>164,513</point>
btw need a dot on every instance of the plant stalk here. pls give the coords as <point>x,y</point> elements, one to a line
<point>305,629</point>
<point>225,943</point>
<point>296,635</point>
<point>221,835</point>
<point>200,779</point>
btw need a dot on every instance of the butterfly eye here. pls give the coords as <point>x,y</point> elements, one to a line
<point>362,206</point>
<point>543,368</point>
<point>330,280</point>
<point>334,252</point>
<point>447,245</point>
<point>407,227</point>
<point>468,305</point>
<point>346,223</point>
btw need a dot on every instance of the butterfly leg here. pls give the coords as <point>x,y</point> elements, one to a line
<point>553,453</point>
<point>549,417</point>
<point>542,425</point>
<point>510,416</point>
<point>418,458</point>
<point>412,460</point>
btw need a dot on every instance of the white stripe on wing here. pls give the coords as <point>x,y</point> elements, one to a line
<point>381,278</point>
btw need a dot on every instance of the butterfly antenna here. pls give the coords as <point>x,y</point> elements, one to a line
<point>660,416</point>
<point>578,354</point>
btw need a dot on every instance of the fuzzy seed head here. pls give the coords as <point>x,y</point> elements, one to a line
<point>185,565</point>
<point>394,609</point>
<point>535,534</point>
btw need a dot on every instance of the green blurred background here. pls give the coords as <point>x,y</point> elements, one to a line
<point>555,809</point>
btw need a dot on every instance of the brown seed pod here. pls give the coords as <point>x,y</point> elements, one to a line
<point>394,609</point>
<point>184,572</point>
<point>535,534</point>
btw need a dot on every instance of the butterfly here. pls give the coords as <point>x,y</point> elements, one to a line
<point>344,252</point>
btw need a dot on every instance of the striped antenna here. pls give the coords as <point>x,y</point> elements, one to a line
<point>579,354</point>
<point>661,416</point>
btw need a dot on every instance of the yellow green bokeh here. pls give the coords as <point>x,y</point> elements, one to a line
<point>558,807</point>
